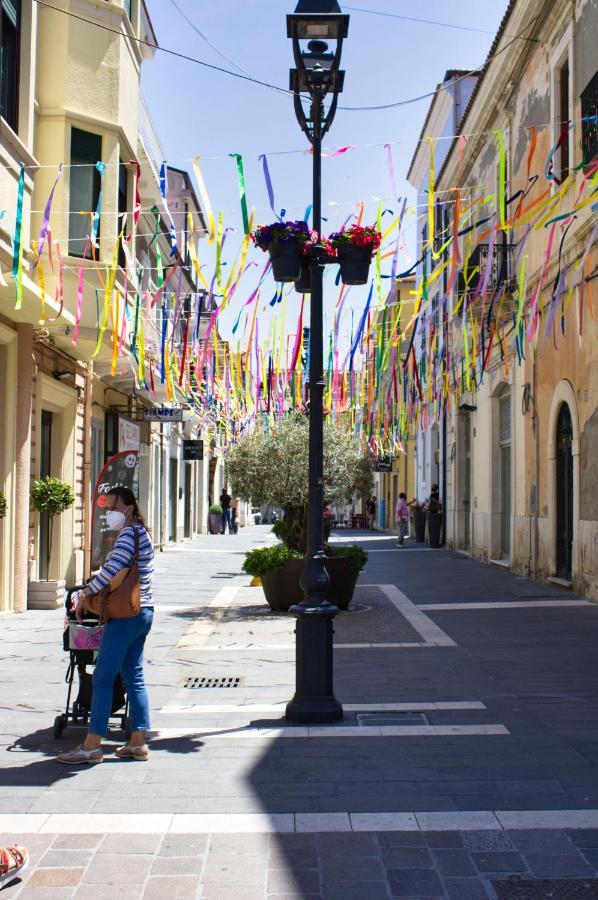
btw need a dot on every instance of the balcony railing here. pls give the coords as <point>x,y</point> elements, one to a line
<point>502,269</point>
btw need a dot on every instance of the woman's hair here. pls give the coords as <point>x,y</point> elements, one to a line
<point>403,496</point>
<point>129,499</point>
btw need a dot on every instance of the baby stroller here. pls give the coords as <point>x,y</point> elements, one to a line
<point>81,642</point>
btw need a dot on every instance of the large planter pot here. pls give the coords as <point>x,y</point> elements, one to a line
<point>303,283</point>
<point>286,262</point>
<point>214,523</point>
<point>434,528</point>
<point>355,264</point>
<point>282,589</point>
<point>46,594</point>
<point>419,525</point>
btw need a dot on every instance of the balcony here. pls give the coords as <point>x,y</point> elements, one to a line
<point>502,270</point>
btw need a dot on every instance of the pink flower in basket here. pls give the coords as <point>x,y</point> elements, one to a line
<point>86,638</point>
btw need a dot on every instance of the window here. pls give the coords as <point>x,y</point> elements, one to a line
<point>127,5</point>
<point>589,125</point>
<point>85,184</point>
<point>9,47</point>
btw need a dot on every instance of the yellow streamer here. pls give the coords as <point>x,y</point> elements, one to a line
<point>205,200</point>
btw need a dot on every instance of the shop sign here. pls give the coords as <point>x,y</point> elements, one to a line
<point>163,414</point>
<point>192,450</point>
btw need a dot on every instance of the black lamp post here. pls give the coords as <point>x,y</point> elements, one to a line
<point>317,74</point>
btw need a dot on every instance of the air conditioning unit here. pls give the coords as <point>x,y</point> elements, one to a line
<point>465,403</point>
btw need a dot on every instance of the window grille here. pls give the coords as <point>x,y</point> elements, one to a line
<point>504,419</point>
<point>10,26</point>
<point>589,126</point>
<point>85,182</point>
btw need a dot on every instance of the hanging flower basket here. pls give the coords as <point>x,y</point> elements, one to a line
<point>355,248</point>
<point>286,243</point>
<point>303,283</point>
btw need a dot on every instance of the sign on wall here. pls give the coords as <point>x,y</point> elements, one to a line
<point>192,450</point>
<point>163,414</point>
<point>129,435</point>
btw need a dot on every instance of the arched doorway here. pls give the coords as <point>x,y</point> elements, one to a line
<point>564,493</point>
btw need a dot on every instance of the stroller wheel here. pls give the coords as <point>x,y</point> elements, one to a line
<point>126,726</point>
<point>59,726</point>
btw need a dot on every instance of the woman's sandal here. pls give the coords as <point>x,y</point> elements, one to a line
<point>140,752</point>
<point>13,862</point>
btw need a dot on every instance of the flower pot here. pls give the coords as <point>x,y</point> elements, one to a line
<point>303,283</point>
<point>282,589</point>
<point>434,528</point>
<point>419,525</point>
<point>214,523</point>
<point>286,262</point>
<point>355,264</point>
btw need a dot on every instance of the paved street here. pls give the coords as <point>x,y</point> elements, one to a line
<point>465,767</point>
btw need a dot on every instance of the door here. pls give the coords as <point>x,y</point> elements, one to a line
<point>188,477</point>
<point>504,438</point>
<point>45,468</point>
<point>467,482</point>
<point>564,493</point>
<point>173,499</point>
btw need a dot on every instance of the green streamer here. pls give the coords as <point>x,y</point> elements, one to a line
<point>242,193</point>
<point>17,259</point>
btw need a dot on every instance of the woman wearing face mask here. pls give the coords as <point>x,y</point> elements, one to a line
<point>123,640</point>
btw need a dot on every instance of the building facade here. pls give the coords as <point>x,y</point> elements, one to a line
<point>522,457</point>
<point>84,249</point>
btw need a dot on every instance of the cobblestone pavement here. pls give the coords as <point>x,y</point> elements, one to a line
<point>465,767</point>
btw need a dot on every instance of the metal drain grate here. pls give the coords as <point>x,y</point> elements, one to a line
<point>390,718</point>
<point>193,681</point>
<point>547,889</point>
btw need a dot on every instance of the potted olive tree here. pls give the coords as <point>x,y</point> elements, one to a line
<point>270,467</point>
<point>215,519</point>
<point>51,497</point>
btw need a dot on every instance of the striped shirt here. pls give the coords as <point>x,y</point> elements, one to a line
<point>121,557</point>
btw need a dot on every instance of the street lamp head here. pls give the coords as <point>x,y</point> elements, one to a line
<point>318,19</point>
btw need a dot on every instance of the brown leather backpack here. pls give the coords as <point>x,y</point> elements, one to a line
<point>121,599</point>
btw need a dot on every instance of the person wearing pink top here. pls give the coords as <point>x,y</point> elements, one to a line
<point>402,517</point>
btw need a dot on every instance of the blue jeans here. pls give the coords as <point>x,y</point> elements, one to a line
<point>121,651</point>
<point>226,520</point>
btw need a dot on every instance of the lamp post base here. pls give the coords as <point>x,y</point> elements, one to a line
<point>314,699</point>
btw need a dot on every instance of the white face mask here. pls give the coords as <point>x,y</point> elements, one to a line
<point>115,519</point>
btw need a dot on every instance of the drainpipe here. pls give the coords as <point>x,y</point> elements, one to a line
<point>23,464</point>
<point>87,486</point>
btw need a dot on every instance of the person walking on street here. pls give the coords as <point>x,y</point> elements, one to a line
<point>371,510</point>
<point>234,515</point>
<point>402,517</point>
<point>123,640</point>
<point>225,503</point>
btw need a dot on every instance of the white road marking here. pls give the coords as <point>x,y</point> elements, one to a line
<point>218,823</point>
<point>515,604</point>
<point>337,731</point>
<point>211,708</point>
<point>425,627</point>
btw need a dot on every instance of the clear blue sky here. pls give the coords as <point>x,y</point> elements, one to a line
<point>198,111</point>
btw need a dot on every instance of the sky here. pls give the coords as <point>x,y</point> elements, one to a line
<point>202,112</point>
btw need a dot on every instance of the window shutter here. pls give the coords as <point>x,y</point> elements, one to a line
<point>12,8</point>
<point>504,419</point>
<point>85,146</point>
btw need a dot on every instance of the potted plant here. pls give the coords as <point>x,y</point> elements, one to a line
<point>279,569</point>
<point>355,247</point>
<point>51,497</point>
<point>434,527</point>
<point>3,505</point>
<point>419,512</point>
<point>269,467</point>
<point>215,519</point>
<point>286,243</point>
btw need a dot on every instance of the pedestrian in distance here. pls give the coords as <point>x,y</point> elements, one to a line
<point>234,515</point>
<point>123,640</point>
<point>225,503</point>
<point>402,517</point>
<point>371,510</point>
<point>434,504</point>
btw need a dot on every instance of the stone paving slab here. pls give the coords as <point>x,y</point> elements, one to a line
<point>310,864</point>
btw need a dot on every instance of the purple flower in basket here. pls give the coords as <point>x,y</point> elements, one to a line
<point>283,234</point>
